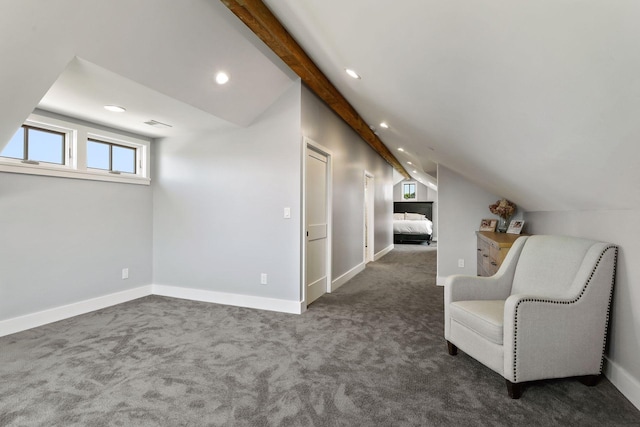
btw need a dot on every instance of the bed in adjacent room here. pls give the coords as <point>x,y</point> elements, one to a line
<point>412,222</point>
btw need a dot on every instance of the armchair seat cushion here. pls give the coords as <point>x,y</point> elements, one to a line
<point>484,317</point>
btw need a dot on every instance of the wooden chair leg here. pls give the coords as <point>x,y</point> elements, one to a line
<point>590,380</point>
<point>453,350</point>
<point>514,389</point>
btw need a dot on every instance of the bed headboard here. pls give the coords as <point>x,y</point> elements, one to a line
<point>424,208</point>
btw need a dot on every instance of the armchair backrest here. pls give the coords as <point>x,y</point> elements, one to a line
<point>548,265</point>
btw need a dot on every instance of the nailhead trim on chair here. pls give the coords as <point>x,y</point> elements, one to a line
<point>573,301</point>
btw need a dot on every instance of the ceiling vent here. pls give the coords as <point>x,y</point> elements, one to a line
<point>157,124</point>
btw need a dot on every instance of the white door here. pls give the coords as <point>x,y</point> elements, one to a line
<point>316,223</point>
<point>369,197</point>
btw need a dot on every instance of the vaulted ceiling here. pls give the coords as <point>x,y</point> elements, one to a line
<point>535,100</point>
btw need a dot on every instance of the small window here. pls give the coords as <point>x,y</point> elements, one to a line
<point>34,145</point>
<point>409,191</point>
<point>110,157</point>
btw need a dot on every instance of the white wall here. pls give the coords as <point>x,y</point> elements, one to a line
<point>425,194</point>
<point>218,207</point>
<point>351,157</point>
<point>67,240</point>
<point>622,228</point>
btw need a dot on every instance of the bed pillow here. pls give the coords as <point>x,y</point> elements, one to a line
<point>398,216</point>
<point>414,216</point>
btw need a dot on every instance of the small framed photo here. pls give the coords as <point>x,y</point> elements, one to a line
<point>488,224</point>
<point>515,227</point>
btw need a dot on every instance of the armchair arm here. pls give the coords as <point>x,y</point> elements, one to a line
<point>555,337</point>
<point>552,338</point>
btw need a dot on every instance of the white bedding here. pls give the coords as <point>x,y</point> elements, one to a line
<point>412,226</point>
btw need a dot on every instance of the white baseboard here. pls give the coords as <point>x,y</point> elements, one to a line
<point>383,252</point>
<point>341,280</point>
<point>238,300</point>
<point>623,381</point>
<point>32,320</point>
<point>440,280</point>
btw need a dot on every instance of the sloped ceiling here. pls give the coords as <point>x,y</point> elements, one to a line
<point>158,58</point>
<point>535,100</point>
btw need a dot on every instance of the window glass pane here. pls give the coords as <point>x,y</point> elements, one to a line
<point>97,155</point>
<point>409,191</point>
<point>15,147</point>
<point>124,159</point>
<point>46,146</point>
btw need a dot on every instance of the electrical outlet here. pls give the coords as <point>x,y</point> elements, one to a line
<point>263,279</point>
<point>461,263</point>
<point>125,273</point>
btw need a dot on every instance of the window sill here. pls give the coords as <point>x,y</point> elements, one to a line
<point>71,173</point>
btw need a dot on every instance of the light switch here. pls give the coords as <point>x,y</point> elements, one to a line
<point>287,213</point>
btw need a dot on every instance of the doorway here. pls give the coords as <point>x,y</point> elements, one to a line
<point>317,206</point>
<point>369,225</point>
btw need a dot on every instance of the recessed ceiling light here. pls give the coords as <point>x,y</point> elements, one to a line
<point>415,171</point>
<point>222,78</point>
<point>352,73</point>
<point>400,149</point>
<point>409,163</point>
<point>115,108</point>
<point>384,125</point>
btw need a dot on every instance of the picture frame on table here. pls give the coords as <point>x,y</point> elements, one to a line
<point>488,224</point>
<point>515,227</point>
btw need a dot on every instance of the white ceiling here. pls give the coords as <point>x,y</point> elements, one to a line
<point>156,58</point>
<point>536,100</point>
<point>83,89</point>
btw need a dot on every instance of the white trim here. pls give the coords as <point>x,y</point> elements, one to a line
<point>77,133</point>
<point>383,252</point>
<point>341,280</point>
<point>415,198</point>
<point>440,280</point>
<point>369,218</point>
<point>70,173</point>
<point>28,321</point>
<point>623,381</point>
<point>237,300</point>
<point>33,320</point>
<point>306,143</point>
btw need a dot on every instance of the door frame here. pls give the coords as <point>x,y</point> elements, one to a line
<point>306,144</point>
<point>368,232</point>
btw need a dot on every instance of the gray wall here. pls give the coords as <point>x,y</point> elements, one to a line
<point>461,206</point>
<point>622,228</point>
<point>67,240</point>
<point>351,157</point>
<point>218,206</point>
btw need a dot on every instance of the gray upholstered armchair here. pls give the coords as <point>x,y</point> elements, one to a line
<point>544,314</point>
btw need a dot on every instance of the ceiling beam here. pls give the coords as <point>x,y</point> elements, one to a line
<point>257,16</point>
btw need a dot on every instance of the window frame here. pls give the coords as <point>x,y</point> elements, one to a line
<point>415,193</point>
<point>77,134</point>
<point>67,134</point>
<point>136,154</point>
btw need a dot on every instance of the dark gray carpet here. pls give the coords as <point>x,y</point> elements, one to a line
<point>370,354</point>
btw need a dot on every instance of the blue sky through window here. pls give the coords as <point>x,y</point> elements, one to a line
<point>124,159</point>
<point>46,146</point>
<point>15,147</point>
<point>97,155</point>
<point>43,146</point>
